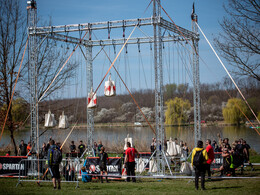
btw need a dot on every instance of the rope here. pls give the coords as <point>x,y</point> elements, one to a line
<point>148,6</point>
<point>112,65</point>
<point>131,95</point>
<point>9,106</point>
<point>218,59</point>
<point>124,82</point>
<point>228,73</point>
<point>61,69</point>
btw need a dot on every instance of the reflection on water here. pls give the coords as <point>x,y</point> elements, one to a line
<point>113,137</point>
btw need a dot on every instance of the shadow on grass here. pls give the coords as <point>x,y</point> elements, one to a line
<point>228,187</point>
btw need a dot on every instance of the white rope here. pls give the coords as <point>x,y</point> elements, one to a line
<point>228,72</point>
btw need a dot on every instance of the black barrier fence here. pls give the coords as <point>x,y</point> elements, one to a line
<point>114,166</point>
<point>10,166</point>
<point>37,170</point>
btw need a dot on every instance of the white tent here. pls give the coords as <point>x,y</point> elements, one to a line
<point>63,121</point>
<point>49,120</point>
<point>110,87</point>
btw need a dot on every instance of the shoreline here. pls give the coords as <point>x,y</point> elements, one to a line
<point>144,124</point>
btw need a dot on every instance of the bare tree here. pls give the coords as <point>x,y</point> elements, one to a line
<point>13,34</point>
<point>12,41</point>
<point>239,43</point>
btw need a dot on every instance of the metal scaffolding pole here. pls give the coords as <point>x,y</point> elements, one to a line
<point>90,113</point>
<point>196,79</point>
<point>159,113</point>
<point>32,56</point>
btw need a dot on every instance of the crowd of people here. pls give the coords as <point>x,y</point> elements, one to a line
<point>182,145</point>
<point>234,156</point>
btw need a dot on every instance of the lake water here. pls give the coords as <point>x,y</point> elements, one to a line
<point>113,137</point>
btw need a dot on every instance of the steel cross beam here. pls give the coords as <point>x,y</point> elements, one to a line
<point>106,42</point>
<point>112,25</point>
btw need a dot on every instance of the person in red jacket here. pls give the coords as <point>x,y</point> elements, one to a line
<point>130,161</point>
<point>210,151</point>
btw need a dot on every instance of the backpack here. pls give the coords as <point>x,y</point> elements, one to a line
<point>198,159</point>
<point>56,156</point>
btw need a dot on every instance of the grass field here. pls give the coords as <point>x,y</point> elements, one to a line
<point>142,186</point>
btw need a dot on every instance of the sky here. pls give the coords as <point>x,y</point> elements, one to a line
<point>136,69</point>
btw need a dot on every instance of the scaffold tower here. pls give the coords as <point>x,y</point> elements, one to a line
<point>32,56</point>
<point>196,78</point>
<point>157,22</point>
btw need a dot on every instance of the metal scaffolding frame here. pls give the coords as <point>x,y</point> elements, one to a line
<point>32,56</point>
<point>61,32</point>
<point>196,79</point>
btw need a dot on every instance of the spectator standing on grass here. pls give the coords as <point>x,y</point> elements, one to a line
<point>22,149</point>
<point>103,159</point>
<point>72,147</point>
<point>100,145</point>
<point>215,146</point>
<point>54,160</point>
<point>29,148</point>
<point>95,148</point>
<point>228,165</point>
<point>43,151</point>
<point>211,156</point>
<point>198,160</point>
<point>130,161</point>
<point>186,148</point>
<point>227,145</point>
<point>246,153</point>
<point>152,147</point>
<point>81,147</point>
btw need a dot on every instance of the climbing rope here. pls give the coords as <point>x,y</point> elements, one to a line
<point>218,59</point>
<point>62,67</point>
<point>228,73</point>
<point>10,103</point>
<point>112,64</point>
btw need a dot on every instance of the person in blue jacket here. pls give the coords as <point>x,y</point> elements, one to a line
<point>85,176</point>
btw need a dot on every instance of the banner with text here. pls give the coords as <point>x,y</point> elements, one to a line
<point>10,165</point>
<point>114,166</point>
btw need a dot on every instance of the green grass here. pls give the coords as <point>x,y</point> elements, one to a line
<point>143,186</point>
<point>254,156</point>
